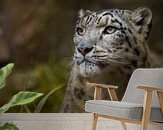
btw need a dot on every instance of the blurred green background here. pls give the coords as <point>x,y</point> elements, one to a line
<point>37,36</point>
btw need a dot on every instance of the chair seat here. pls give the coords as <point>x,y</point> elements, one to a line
<point>125,110</point>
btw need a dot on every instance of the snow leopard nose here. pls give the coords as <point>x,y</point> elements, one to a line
<point>84,51</point>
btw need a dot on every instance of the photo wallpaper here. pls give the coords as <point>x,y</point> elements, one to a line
<point>57,47</point>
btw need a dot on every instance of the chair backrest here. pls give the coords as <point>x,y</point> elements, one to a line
<point>146,77</point>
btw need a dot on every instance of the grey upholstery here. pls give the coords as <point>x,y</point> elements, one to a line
<point>132,111</point>
<point>146,77</point>
<point>131,105</point>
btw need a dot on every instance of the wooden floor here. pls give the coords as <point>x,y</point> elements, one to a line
<point>58,121</point>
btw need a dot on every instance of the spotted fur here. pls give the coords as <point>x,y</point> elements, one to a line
<point>109,46</point>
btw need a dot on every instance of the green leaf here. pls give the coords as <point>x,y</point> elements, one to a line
<point>21,98</point>
<point>4,72</point>
<point>44,99</point>
<point>8,126</point>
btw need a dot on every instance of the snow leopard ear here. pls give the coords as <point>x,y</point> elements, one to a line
<point>83,13</point>
<point>141,18</point>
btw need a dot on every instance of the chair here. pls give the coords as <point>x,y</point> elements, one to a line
<point>137,106</point>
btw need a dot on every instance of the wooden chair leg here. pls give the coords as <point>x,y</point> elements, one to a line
<point>160,98</point>
<point>144,126</point>
<point>94,121</point>
<point>146,110</point>
<point>124,125</point>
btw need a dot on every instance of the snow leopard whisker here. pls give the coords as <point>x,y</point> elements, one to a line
<point>118,62</point>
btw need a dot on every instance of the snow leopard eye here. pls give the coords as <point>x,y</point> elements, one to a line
<point>80,31</point>
<point>109,30</point>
